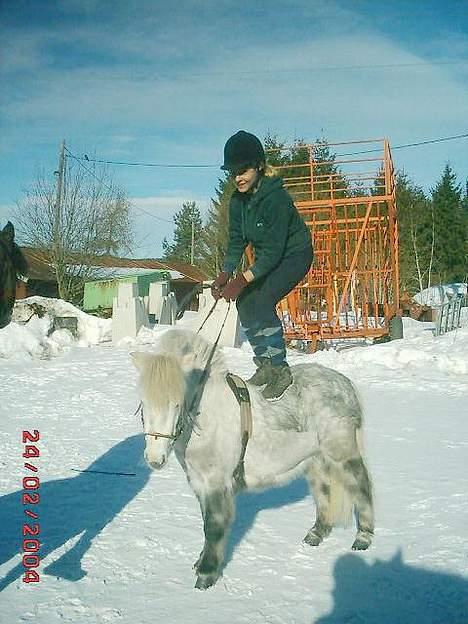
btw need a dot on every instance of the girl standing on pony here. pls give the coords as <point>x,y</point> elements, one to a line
<point>263,214</point>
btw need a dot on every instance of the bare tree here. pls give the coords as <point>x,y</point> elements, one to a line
<point>414,239</point>
<point>420,251</point>
<point>82,215</point>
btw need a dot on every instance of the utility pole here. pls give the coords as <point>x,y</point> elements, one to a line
<point>192,252</point>
<point>58,246</point>
<point>58,197</point>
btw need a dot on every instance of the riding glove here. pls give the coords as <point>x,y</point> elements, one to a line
<point>234,288</point>
<point>217,285</point>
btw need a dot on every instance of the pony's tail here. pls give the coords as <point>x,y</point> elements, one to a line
<point>343,487</point>
<point>340,508</point>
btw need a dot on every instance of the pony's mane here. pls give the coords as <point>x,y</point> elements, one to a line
<point>162,380</point>
<point>193,349</point>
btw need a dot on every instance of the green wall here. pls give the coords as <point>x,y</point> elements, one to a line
<point>100,293</point>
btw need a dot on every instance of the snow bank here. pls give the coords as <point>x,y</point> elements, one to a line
<point>30,336</point>
<point>420,349</point>
<point>30,332</point>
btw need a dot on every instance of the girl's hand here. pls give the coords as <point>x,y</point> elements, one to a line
<point>217,285</point>
<point>234,288</point>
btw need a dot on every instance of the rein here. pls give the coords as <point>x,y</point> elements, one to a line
<point>201,385</point>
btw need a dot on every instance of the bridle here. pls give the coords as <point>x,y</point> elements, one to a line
<point>158,434</point>
<point>197,397</point>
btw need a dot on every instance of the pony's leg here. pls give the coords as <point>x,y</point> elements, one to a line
<point>218,511</point>
<point>359,485</point>
<point>320,485</point>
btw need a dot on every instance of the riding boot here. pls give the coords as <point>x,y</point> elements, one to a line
<point>280,380</point>
<point>262,374</point>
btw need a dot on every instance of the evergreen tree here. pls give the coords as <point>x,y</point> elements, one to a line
<point>450,226</point>
<point>216,231</point>
<point>327,174</point>
<point>188,242</point>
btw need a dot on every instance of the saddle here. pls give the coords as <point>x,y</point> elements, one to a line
<point>241,392</point>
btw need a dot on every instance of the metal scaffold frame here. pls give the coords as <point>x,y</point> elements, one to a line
<point>351,290</point>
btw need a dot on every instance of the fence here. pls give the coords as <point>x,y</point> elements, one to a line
<point>448,315</point>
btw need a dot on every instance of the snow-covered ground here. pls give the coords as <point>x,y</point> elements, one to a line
<point>120,547</point>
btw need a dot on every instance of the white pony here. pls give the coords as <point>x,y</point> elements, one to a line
<point>313,431</point>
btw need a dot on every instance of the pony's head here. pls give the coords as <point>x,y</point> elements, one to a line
<point>12,266</point>
<point>162,391</point>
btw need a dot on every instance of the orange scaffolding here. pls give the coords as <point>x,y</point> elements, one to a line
<point>351,290</point>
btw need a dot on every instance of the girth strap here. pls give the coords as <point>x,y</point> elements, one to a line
<point>241,392</point>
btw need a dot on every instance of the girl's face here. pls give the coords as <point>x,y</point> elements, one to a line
<point>245,179</point>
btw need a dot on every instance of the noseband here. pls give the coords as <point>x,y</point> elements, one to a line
<point>157,434</point>
<point>197,397</point>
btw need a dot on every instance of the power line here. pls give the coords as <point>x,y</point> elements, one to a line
<point>142,164</point>
<point>395,147</point>
<point>185,166</point>
<point>317,68</point>
<point>450,138</point>
<point>290,70</point>
<point>79,160</point>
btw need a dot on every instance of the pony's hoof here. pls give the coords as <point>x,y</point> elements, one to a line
<point>362,542</point>
<point>313,539</point>
<point>196,565</point>
<point>205,581</point>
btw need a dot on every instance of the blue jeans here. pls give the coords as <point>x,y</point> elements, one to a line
<point>257,306</point>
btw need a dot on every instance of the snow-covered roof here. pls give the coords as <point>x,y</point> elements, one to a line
<point>438,295</point>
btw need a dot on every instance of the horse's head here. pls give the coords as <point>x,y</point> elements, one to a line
<point>12,265</point>
<point>162,390</point>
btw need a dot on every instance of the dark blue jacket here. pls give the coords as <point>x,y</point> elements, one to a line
<point>270,221</point>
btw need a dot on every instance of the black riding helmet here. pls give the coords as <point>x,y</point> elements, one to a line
<point>241,150</point>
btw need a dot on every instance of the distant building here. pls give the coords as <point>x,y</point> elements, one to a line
<point>183,277</point>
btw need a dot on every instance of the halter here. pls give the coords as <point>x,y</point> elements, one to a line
<point>157,434</point>
<point>197,397</point>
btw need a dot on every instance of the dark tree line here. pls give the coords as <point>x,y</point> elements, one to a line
<point>433,227</point>
<point>433,232</point>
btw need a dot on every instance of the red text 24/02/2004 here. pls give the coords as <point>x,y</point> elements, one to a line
<point>31,497</point>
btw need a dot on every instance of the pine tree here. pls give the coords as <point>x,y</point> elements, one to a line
<point>188,239</point>
<point>216,231</point>
<point>450,225</point>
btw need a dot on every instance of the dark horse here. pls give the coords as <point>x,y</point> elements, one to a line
<point>12,265</point>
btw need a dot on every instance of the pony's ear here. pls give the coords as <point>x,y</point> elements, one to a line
<point>9,232</point>
<point>139,358</point>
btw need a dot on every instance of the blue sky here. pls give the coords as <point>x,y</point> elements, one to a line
<point>160,82</point>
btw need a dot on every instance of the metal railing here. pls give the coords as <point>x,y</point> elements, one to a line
<point>448,315</point>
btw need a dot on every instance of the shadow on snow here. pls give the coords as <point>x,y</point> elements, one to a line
<point>68,507</point>
<point>249,504</point>
<point>386,592</point>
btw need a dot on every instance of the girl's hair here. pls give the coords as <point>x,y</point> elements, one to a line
<point>267,170</point>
